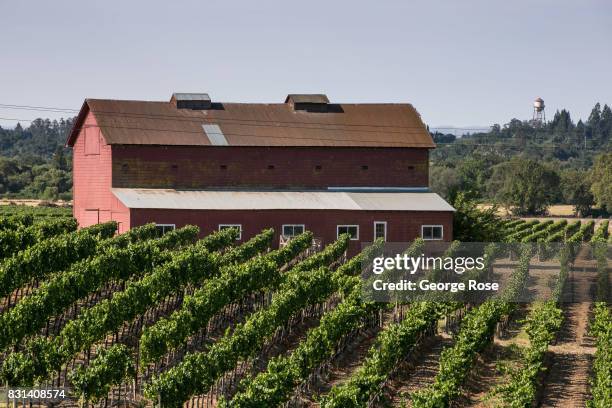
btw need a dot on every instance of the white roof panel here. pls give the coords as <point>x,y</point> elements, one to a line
<point>215,135</point>
<point>278,200</point>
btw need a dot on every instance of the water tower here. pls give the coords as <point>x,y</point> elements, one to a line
<point>539,117</point>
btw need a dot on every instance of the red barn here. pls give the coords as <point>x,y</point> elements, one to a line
<point>303,164</point>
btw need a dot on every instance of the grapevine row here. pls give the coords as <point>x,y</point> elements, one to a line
<point>275,260</point>
<point>58,253</point>
<point>601,328</point>
<point>562,235</point>
<point>601,384</point>
<point>534,227</point>
<point>546,232</point>
<point>393,344</point>
<point>522,226</point>
<point>280,257</point>
<point>83,278</point>
<point>541,325</point>
<point>601,234</point>
<point>191,265</point>
<point>231,285</point>
<point>16,221</point>
<point>15,240</point>
<point>199,371</point>
<point>512,224</point>
<point>273,386</point>
<point>584,233</point>
<point>475,334</point>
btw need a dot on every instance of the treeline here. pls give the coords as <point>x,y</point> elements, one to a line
<point>527,166</point>
<point>34,162</point>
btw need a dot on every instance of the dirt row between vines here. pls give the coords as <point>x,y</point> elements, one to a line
<point>569,361</point>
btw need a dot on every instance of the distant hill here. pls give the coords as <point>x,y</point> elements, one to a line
<point>34,162</point>
<point>40,139</point>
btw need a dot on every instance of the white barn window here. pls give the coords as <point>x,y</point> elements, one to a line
<point>164,228</point>
<point>292,230</point>
<point>352,230</point>
<point>380,230</point>
<point>432,232</point>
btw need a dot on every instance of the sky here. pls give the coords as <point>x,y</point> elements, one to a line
<point>460,63</point>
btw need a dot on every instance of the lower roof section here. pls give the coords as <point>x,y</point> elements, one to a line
<point>278,200</point>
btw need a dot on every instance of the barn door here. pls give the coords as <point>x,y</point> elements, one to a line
<point>90,217</point>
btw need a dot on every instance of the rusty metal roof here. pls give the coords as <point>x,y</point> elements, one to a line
<point>278,200</point>
<point>256,124</point>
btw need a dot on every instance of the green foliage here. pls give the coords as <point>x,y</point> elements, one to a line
<point>526,186</point>
<point>471,224</point>
<point>40,139</point>
<point>541,325</point>
<point>543,234</point>
<point>583,234</point>
<point>601,383</point>
<point>198,371</point>
<point>519,228</point>
<point>396,341</point>
<point>40,212</point>
<point>531,229</point>
<point>191,265</point>
<point>232,284</point>
<point>482,164</point>
<point>602,181</point>
<point>601,234</point>
<point>12,241</point>
<point>247,250</point>
<point>393,344</point>
<point>35,162</point>
<point>50,255</point>
<point>273,386</point>
<point>16,221</point>
<point>476,332</point>
<point>84,277</point>
<point>107,369</point>
<point>576,190</point>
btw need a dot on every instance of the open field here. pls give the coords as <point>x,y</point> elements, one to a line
<point>31,202</point>
<point>557,210</point>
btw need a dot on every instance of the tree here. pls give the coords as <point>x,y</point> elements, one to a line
<point>602,181</point>
<point>576,190</point>
<point>561,126</point>
<point>59,159</point>
<point>472,224</point>
<point>444,181</point>
<point>440,137</point>
<point>525,186</point>
<point>605,124</point>
<point>472,175</point>
<point>593,131</point>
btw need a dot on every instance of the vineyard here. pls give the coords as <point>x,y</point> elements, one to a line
<point>173,320</point>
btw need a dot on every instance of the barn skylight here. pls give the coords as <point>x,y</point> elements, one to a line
<point>215,135</point>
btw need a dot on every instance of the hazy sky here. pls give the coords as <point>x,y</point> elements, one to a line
<point>459,62</point>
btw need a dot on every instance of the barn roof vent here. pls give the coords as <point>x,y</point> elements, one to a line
<point>308,102</point>
<point>196,101</point>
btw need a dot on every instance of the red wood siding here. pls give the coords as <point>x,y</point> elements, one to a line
<point>249,167</point>
<point>93,201</point>
<point>401,226</point>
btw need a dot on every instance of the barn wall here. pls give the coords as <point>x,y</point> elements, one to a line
<point>402,226</point>
<point>248,167</point>
<point>93,201</point>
